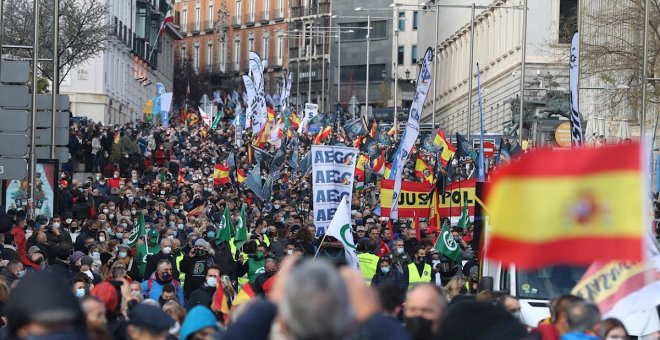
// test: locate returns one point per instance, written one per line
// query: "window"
(266, 9)
(237, 54)
(413, 54)
(416, 19)
(237, 13)
(567, 20)
(196, 57)
(402, 21)
(400, 55)
(251, 44)
(198, 13)
(209, 54)
(182, 53)
(379, 30)
(280, 49)
(280, 8)
(184, 20)
(264, 47)
(223, 56)
(210, 13)
(252, 9)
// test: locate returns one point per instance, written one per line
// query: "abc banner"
(415, 199)
(333, 168)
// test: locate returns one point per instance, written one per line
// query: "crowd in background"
(79, 274)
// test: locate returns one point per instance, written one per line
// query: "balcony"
(274, 63)
(236, 21)
(318, 9)
(209, 25)
(264, 17)
(249, 19)
(142, 49)
(194, 27)
(279, 14)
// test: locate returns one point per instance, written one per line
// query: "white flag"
(340, 228)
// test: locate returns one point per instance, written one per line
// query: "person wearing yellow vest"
(419, 271)
(368, 261)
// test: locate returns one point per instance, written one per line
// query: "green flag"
(465, 217)
(241, 230)
(446, 245)
(224, 231)
(216, 121)
(137, 232)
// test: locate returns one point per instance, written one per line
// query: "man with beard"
(424, 307)
(153, 286)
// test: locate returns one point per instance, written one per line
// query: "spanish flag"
(271, 114)
(568, 207)
(295, 120)
(420, 166)
(378, 164)
(388, 169)
(263, 135)
(241, 176)
(220, 174)
(361, 163)
(323, 134)
(220, 302)
(448, 149)
(197, 211)
(244, 295)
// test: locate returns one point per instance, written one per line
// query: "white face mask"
(167, 250)
(105, 211)
(122, 254)
(68, 221)
(28, 234)
(56, 224)
(101, 239)
(289, 251)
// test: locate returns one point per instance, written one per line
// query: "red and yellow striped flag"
(220, 302)
(568, 207)
(240, 176)
(220, 174)
(448, 149)
(244, 295)
(420, 167)
(323, 134)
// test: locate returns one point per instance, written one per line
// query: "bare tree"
(84, 31)
(612, 51)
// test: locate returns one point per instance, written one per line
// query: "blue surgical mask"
(211, 234)
(211, 281)
(80, 292)
(385, 269)
(400, 251)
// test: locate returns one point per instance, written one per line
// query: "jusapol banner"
(415, 199)
(333, 168)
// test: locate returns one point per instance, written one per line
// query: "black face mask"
(419, 328)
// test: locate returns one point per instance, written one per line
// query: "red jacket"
(21, 244)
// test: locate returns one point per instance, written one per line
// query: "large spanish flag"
(240, 175)
(220, 174)
(420, 166)
(568, 207)
(245, 294)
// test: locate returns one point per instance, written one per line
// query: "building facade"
(113, 88)
(218, 35)
(497, 49)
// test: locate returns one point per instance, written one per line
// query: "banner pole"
(319, 248)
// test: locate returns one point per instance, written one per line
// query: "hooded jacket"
(198, 318)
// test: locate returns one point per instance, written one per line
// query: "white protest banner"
(311, 111)
(333, 168)
(412, 130)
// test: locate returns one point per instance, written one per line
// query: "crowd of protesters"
(78, 274)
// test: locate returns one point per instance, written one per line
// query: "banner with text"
(333, 168)
(415, 199)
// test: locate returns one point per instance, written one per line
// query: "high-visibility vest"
(415, 279)
(182, 275)
(368, 265)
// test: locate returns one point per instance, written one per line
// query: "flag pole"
(320, 244)
(482, 204)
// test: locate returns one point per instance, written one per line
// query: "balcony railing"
(249, 18)
(264, 16)
(209, 25)
(301, 11)
(194, 27)
(279, 14)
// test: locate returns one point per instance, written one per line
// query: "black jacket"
(202, 296)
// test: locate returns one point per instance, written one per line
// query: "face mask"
(101, 239)
(28, 234)
(167, 250)
(133, 212)
(518, 315)
(176, 211)
(98, 177)
(122, 254)
(102, 182)
(68, 221)
(162, 192)
(277, 206)
(289, 251)
(211, 234)
(80, 292)
(419, 327)
(119, 235)
(105, 211)
(171, 223)
(115, 176)
(400, 251)
(211, 281)
(20, 273)
(124, 225)
(96, 254)
(259, 255)
(111, 216)
(179, 226)
(385, 269)
(56, 224)
(167, 276)
(171, 237)
(136, 293)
